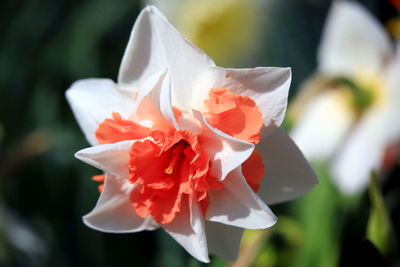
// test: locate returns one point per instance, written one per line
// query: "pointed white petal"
(154, 45)
(353, 43)
(154, 99)
(188, 230)
(94, 100)
(268, 87)
(364, 149)
(114, 213)
(288, 174)
(111, 158)
(223, 240)
(165, 103)
(323, 124)
(151, 87)
(186, 121)
(226, 152)
(237, 205)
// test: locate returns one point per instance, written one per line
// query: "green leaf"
(379, 228)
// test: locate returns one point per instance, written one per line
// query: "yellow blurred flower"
(227, 30)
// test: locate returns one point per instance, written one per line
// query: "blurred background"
(44, 191)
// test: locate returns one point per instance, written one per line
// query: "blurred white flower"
(227, 30)
(176, 137)
(349, 110)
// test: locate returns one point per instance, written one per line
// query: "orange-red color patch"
(391, 156)
(240, 117)
(177, 112)
(178, 166)
(99, 178)
(395, 3)
(234, 114)
(117, 129)
(253, 170)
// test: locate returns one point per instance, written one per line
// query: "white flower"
(158, 136)
(349, 110)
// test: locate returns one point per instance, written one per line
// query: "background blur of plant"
(44, 191)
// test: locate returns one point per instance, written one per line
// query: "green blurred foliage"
(44, 191)
(321, 217)
(379, 228)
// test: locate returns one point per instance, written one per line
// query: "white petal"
(93, 100)
(226, 152)
(268, 87)
(323, 125)
(165, 101)
(364, 149)
(151, 87)
(111, 158)
(237, 205)
(154, 98)
(223, 240)
(186, 121)
(154, 45)
(353, 43)
(288, 174)
(114, 213)
(188, 230)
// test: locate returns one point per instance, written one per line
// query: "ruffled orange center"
(240, 117)
(117, 129)
(235, 115)
(165, 168)
(168, 166)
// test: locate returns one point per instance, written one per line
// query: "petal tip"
(86, 221)
(71, 89)
(149, 8)
(77, 155)
(152, 9)
(80, 154)
(288, 72)
(274, 220)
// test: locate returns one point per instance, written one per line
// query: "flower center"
(176, 154)
(169, 166)
(364, 93)
(167, 169)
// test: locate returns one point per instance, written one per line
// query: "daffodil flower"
(185, 144)
(349, 111)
